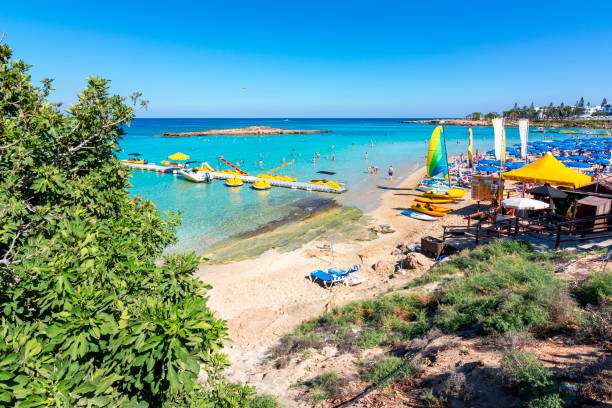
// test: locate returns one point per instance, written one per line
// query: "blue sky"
(316, 58)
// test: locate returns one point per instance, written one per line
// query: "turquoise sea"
(212, 212)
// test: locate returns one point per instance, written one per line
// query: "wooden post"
(558, 240)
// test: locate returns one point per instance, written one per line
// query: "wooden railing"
(551, 227)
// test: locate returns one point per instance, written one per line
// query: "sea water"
(212, 211)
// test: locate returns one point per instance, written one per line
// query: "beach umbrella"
(490, 162)
(548, 191)
(576, 158)
(514, 165)
(578, 164)
(599, 149)
(491, 152)
(178, 156)
(601, 161)
(488, 169)
(521, 203)
(599, 156)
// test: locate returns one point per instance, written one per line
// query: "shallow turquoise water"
(212, 211)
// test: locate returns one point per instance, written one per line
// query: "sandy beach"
(264, 298)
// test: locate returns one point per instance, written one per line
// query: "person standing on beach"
(390, 172)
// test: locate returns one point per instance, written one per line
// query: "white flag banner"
(498, 132)
(524, 133)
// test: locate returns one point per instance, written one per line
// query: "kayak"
(419, 216)
(434, 200)
(422, 209)
(451, 193)
(438, 208)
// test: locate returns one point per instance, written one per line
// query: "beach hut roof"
(549, 170)
(548, 191)
(178, 156)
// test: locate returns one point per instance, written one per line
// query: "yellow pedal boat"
(134, 161)
(262, 185)
(233, 182)
(423, 209)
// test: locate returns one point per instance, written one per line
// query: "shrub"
(597, 322)
(551, 400)
(503, 293)
(326, 386)
(379, 370)
(91, 311)
(596, 288)
(456, 386)
(265, 401)
(523, 372)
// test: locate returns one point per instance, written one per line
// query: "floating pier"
(296, 185)
(153, 167)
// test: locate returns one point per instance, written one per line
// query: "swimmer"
(365, 156)
(333, 157)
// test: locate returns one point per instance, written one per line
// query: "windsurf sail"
(498, 130)
(524, 133)
(471, 148)
(437, 164)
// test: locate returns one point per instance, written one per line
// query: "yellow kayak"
(328, 183)
(434, 200)
(451, 193)
(262, 185)
(233, 182)
(423, 209)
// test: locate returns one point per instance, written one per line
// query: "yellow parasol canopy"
(549, 170)
(178, 156)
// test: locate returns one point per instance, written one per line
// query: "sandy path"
(265, 298)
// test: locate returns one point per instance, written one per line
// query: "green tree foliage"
(491, 115)
(91, 313)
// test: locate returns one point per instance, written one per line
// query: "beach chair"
(343, 273)
(353, 279)
(327, 279)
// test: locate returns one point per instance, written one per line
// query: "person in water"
(365, 156)
(390, 172)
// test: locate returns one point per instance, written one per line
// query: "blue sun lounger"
(327, 279)
(343, 273)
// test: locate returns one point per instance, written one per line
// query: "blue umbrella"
(491, 152)
(600, 156)
(490, 162)
(598, 149)
(601, 161)
(514, 165)
(576, 158)
(581, 165)
(488, 169)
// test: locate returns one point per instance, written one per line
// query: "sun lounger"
(327, 279)
(344, 273)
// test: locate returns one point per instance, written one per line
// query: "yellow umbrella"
(178, 156)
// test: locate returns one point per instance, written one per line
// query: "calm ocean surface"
(212, 212)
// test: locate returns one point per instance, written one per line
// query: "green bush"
(379, 370)
(551, 400)
(523, 372)
(504, 289)
(325, 386)
(595, 288)
(91, 312)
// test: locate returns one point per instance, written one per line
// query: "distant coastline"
(247, 131)
(582, 124)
